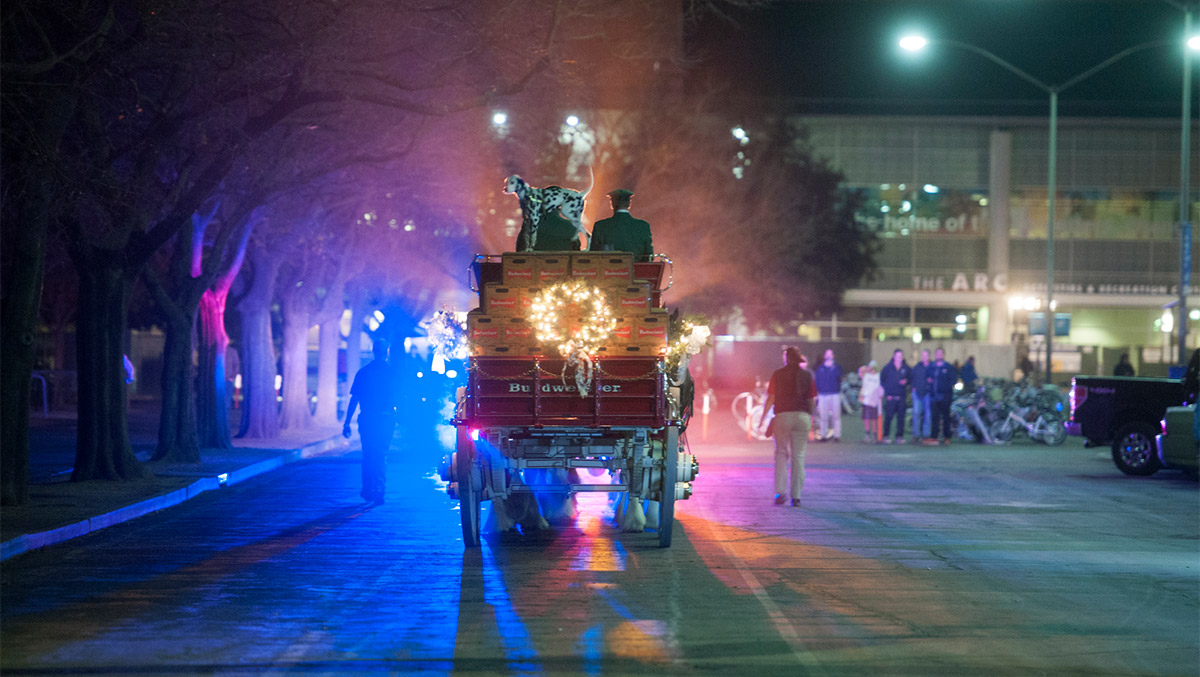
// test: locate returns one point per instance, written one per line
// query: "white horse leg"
(634, 519)
(652, 514)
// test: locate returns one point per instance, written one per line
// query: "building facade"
(960, 207)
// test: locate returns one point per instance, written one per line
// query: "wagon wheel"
(469, 487)
(666, 501)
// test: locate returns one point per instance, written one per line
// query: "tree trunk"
(177, 440)
(295, 413)
(212, 403)
(102, 450)
(18, 321)
(260, 409)
(31, 191)
(330, 334)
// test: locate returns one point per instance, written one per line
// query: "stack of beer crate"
(499, 327)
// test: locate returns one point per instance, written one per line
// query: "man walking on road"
(942, 377)
(374, 389)
(921, 399)
(791, 393)
(829, 399)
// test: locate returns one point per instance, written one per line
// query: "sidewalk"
(59, 510)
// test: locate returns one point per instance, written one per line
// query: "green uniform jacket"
(555, 234)
(622, 233)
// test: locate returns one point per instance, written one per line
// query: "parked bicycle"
(1034, 412)
(851, 385)
(748, 410)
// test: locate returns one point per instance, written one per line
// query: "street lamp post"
(915, 43)
(1185, 210)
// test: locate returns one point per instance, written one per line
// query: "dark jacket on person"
(622, 233)
(968, 375)
(894, 379)
(793, 389)
(920, 379)
(829, 379)
(1123, 369)
(554, 234)
(943, 377)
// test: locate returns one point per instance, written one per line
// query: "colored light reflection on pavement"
(904, 559)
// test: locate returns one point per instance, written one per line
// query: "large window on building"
(894, 210)
(1096, 214)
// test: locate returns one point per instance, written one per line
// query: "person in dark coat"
(375, 391)
(621, 232)
(942, 376)
(554, 234)
(968, 375)
(921, 399)
(1123, 368)
(894, 379)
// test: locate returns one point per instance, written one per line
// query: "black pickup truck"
(1126, 412)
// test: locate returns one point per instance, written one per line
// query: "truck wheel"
(1133, 449)
(469, 491)
(666, 504)
(1002, 431)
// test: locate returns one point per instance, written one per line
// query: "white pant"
(791, 438)
(829, 409)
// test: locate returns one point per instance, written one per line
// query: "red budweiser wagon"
(531, 404)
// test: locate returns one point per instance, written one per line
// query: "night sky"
(840, 56)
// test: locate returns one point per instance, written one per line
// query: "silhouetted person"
(968, 375)
(554, 234)
(621, 232)
(1123, 368)
(374, 390)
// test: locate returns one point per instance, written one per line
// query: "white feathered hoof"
(498, 520)
(524, 510)
(651, 514)
(634, 519)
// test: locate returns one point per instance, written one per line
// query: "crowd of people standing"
(796, 395)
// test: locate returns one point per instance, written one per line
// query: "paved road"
(904, 560)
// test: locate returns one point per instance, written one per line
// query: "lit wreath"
(574, 317)
(691, 337)
(448, 336)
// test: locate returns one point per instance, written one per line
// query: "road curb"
(26, 542)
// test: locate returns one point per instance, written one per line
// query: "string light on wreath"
(448, 336)
(576, 319)
(691, 340)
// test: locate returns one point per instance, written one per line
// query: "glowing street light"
(1168, 321)
(916, 43)
(572, 120)
(499, 118)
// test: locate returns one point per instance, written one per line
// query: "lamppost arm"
(1045, 87)
(997, 60)
(1110, 61)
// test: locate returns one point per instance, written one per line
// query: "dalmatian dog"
(536, 201)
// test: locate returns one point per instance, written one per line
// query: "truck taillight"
(1078, 395)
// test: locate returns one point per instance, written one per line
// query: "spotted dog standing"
(537, 201)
